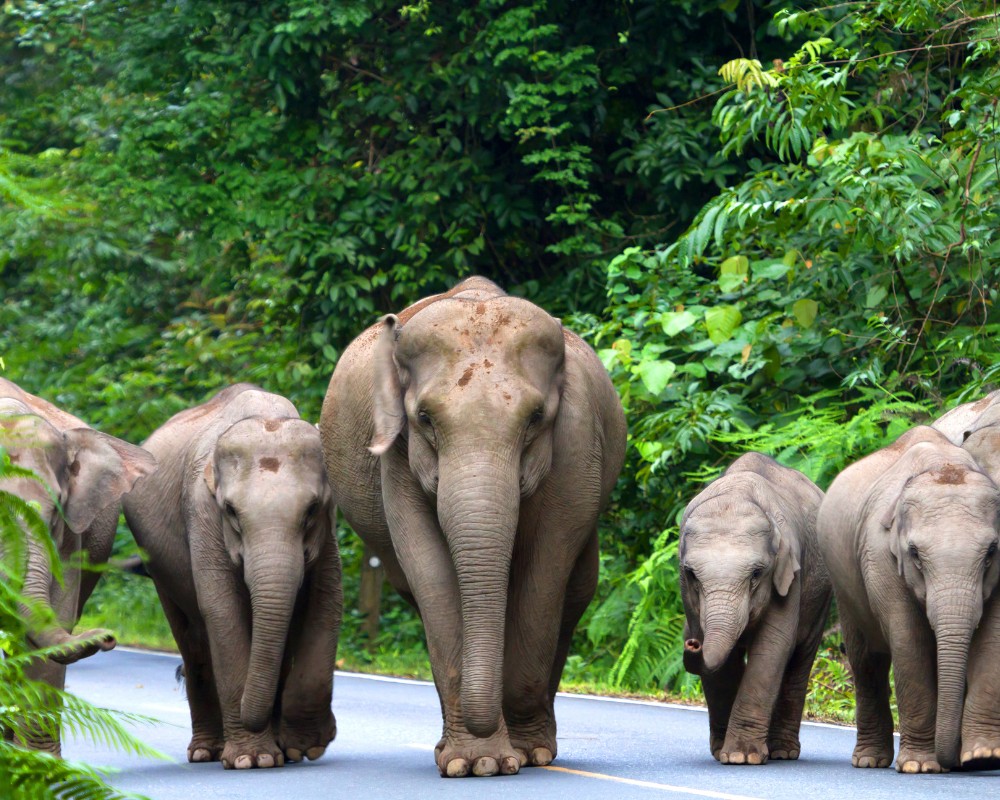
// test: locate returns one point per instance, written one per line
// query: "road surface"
(387, 729)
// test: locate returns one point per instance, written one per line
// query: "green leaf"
(805, 311)
(875, 296)
(770, 270)
(673, 322)
(721, 322)
(656, 375)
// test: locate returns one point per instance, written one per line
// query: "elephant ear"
(388, 394)
(784, 544)
(892, 522)
(101, 469)
(786, 559)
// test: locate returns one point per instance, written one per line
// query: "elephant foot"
(739, 750)
(299, 739)
(871, 756)
(912, 762)
(461, 755)
(534, 743)
(204, 748)
(783, 749)
(261, 753)
(981, 751)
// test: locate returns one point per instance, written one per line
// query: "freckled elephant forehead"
(468, 327)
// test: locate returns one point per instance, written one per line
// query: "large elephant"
(965, 420)
(237, 526)
(909, 535)
(88, 472)
(473, 442)
(756, 595)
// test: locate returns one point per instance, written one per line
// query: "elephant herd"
(472, 442)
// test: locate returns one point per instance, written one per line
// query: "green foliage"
(29, 709)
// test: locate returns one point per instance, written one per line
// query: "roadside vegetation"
(776, 224)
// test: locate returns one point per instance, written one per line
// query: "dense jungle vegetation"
(776, 222)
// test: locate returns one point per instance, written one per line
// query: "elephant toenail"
(458, 768)
(243, 762)
(510, 766)
(486, 766)
(541, 756)
(315, 752)
(265, 760)
(293, 755)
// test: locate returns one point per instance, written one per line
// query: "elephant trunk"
(273, 578)
(37, 589)
(725, 613)
(953, 631)
(478, 506)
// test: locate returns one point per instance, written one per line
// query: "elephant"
(237, 527)
(976, 427)
(473, 442)
(756, 597)
(87, 472)
(909, 535)
(964, 420)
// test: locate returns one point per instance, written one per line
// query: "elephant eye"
(991, 550)
(757, 572)
(915, 555)
(690, 574)
(234, 519)
(311, 510)
(424, 417)
(536, 416)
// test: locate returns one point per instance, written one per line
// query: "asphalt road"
(387, 729)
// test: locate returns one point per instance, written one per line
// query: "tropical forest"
(777, 223)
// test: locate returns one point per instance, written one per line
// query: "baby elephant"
(909, 535)
(976, 427)
(756, 596)
(238, 528)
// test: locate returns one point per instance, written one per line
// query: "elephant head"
(942, 531)
(81, 472)
(736, 550)
(274, 506)
(472, 390)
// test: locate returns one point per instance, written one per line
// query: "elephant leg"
(307, 721)
(767, 657)
(48, 741)
(225, 605)
(199, 684)
(430, 577)
(538, 639)
(915, 672)
(981, 717)
(874, 746)
(721, 688)
(783, 733)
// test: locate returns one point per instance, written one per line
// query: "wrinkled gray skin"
(909, 535)
(756, 596)
(88, 472)
(495, 439)
(237, 526)
(976, 426)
